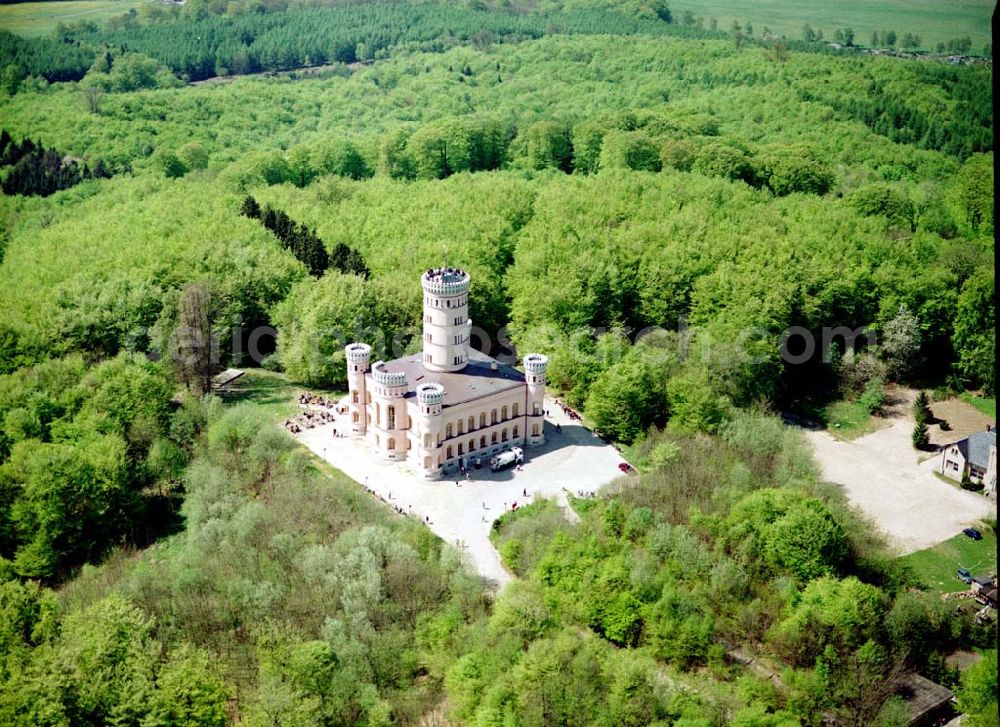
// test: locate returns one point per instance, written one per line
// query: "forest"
(649, 203)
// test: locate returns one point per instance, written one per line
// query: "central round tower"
(446, 319)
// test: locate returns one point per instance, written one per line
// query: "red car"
(626, 467)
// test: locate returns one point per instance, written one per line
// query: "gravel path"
(573, 460)
(880, 474)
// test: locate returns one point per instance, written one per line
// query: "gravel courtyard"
(573, 460)
(881, 475)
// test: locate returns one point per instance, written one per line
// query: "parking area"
(461, 513)
(881, 475)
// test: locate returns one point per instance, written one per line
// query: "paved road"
(574, 460)
(880, 474)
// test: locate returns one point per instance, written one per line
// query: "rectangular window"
(457, 360)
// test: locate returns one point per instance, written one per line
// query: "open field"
(936, 566)
(34, 19)
(934, 21)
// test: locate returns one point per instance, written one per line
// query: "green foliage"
(884, 200)
(104, 665)
(843, 614)
(974, 337)
(625, 399)
(772, 190)
(193, 155)
(693, 406)
(131, 72)
(873, 397)
(977, 695)
(629, 150)
(170, 164)
(78, 443)
(792, 532)
(788, 169)
(547, 144)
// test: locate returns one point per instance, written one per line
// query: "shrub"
(873, 397)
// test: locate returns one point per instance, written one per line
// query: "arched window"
(503, 435)
(354, 396)
(428, 441)
(461, 449)
(461, 427)
(378, 413)
(493, 439)
(447, 454)
(482, 441)
(493, 417)
(354, 417)
(472, 444)
(447, 431)
(392, 443)
(428, 463)
(503, 414)
(535, 409)
(515, 409)
(534, 430)
(482, 420)
(515, 431)
(472, 423)
(390, 412)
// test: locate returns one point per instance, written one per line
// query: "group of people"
(308, 420)
(586, 493)
(309, 399)
(318, 410)
(398, 508)
(568, 411)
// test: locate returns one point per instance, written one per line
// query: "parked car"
(626, 467)
(973, 533)
(964, 575)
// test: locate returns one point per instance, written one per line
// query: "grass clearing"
(271, 391)
(850, 420)
(934, 21)
(36, 19)
(985, 404)
(936, 567)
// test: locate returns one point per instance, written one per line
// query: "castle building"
(448, 405)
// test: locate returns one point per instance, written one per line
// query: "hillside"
(654, 206)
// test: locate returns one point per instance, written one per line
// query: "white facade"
(448, 406)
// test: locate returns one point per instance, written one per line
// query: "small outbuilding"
(927, 703)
